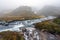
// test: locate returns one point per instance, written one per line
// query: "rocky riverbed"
(34, 34)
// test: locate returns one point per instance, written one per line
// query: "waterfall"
(30, 33)
(28, 30)
(14, 26)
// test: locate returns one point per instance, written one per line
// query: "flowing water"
(30, 33)
(28, 30)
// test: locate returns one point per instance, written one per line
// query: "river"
(28, 30)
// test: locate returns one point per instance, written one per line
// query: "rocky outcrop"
(34, 34)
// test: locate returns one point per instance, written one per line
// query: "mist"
(37, 4)
(41, 7)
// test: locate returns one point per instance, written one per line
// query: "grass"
(11, 18)
(48, 26)
(9, 35)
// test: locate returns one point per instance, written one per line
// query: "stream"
(28, 30)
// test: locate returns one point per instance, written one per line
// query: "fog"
(38, 4)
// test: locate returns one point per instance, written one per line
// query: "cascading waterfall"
(27, 28)
(31, 33)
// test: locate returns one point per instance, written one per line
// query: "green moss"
(57, 20)
(48, 26)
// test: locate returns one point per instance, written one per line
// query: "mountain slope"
(23, 11)
(50, 10)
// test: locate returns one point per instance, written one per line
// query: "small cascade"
(28, 30)
(31, 33)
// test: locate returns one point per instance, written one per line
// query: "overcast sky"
(12, 4)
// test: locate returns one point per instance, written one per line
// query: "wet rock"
(34, 34)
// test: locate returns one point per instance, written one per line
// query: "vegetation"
(11, 18)
(57, 20)
(48, 26)
(9, 35)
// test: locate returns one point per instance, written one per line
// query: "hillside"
(49, 10)
(21, 13)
